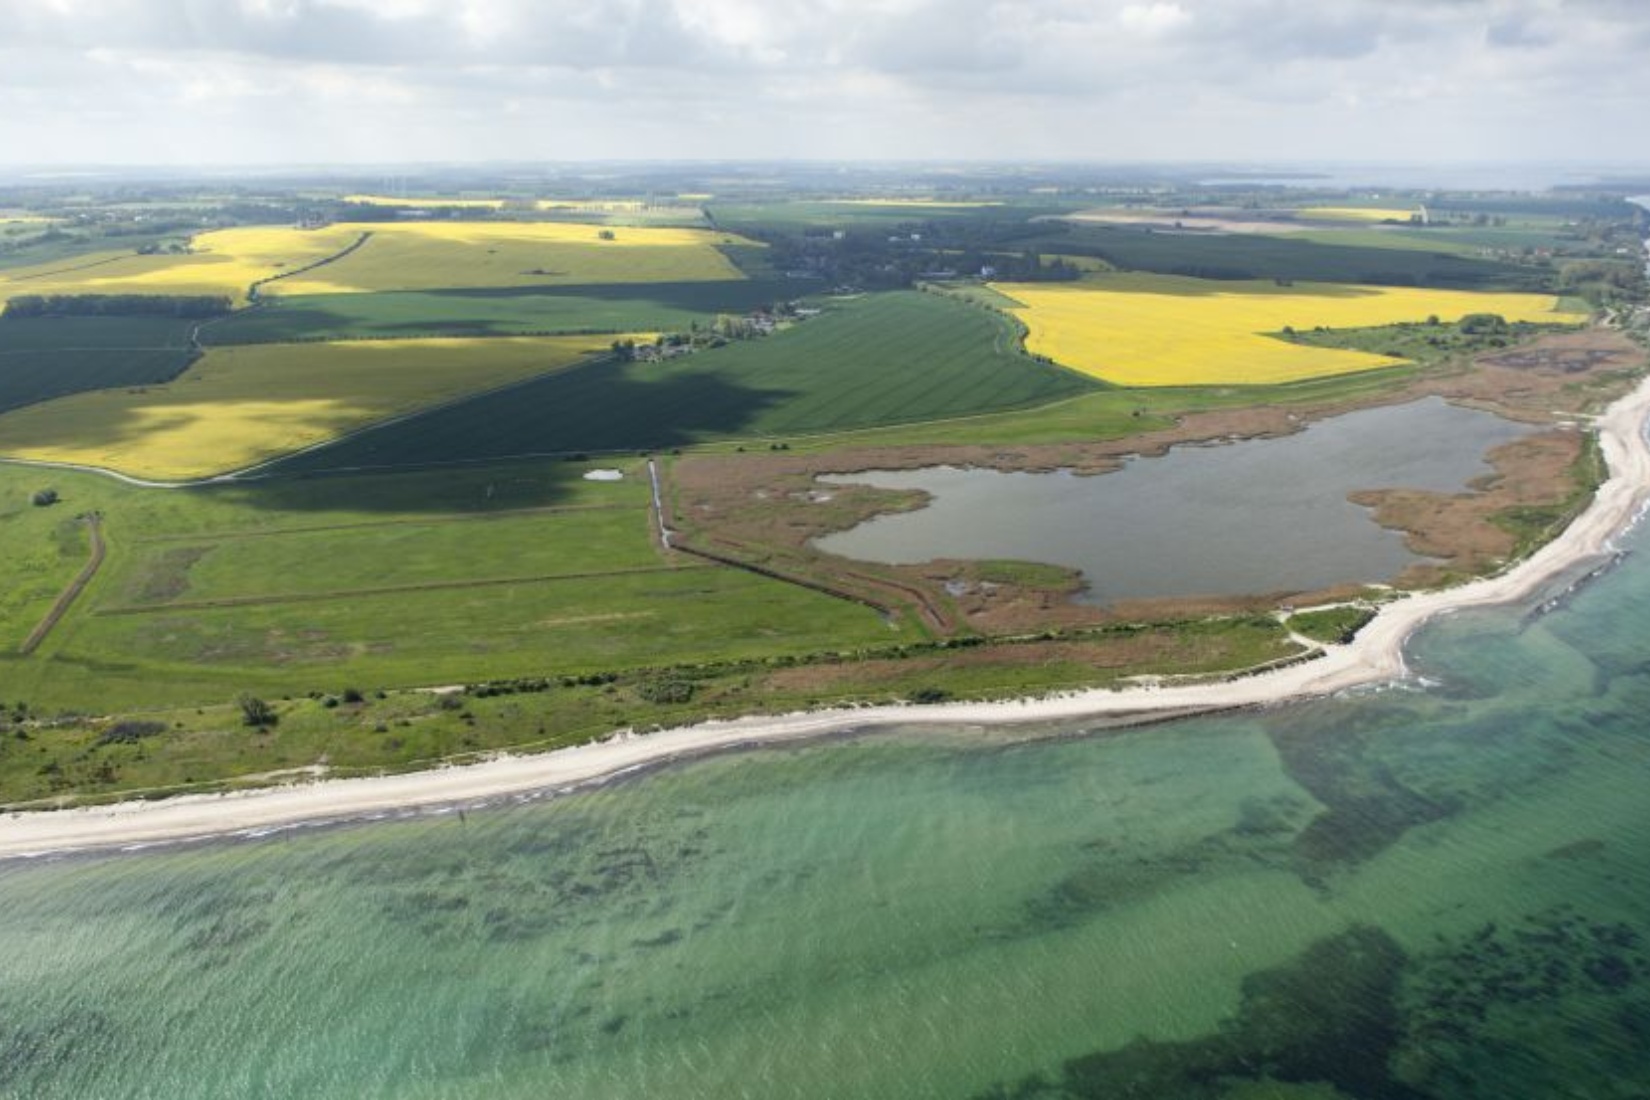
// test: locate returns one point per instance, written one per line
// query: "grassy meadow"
(384, 581)
(236, 407)
(44, 549)
(1140, 330)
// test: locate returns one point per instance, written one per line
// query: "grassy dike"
(54, 759)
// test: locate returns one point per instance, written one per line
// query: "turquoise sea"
(1438, 891)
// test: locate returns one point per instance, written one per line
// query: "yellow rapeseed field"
(1356, 213)
(225, 261)
(438, 255)
(416, 255)
(240, 406)
(1163, 330)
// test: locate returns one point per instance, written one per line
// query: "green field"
(1115, 412)
(44, 549)
(1534, 209)
(213, 570)
(105, 333)
(432, 578)
(1247, 256)
(1420, 342)
(46, 357)
(757, 216)
(1443, 242)
(504, 311)
(1453, 238)
(884, 359)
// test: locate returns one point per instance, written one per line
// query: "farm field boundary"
(418, 521)
(255, 291)
(385, 590)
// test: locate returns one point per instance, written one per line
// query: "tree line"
(118, 305)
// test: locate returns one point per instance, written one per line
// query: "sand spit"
(1375, 656)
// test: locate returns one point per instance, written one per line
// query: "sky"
(272, 82)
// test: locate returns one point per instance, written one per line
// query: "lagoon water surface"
(1398, 894)
(1257, 516)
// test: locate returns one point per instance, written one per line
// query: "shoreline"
(1374, 656)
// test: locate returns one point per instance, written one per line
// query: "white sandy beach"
(1375, 656)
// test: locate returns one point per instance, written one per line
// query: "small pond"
(1241, 518)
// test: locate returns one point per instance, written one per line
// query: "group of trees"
(1482, 324)
(1603, 282)
(884, 259)
(725, 329)
(118, 305)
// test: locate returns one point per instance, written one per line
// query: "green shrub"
(256, 712)
(665, 691)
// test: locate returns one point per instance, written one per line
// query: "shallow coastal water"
(1256, 516)
(1401, 893)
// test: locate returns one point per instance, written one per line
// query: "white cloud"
(1153, 19)
(311, 80)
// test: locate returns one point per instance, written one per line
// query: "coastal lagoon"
(1434, 890)
(1241, 518)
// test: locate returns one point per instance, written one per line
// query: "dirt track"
(64, 601)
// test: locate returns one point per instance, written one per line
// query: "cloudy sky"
(334, 81)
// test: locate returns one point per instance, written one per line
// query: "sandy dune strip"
(1375, 656)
